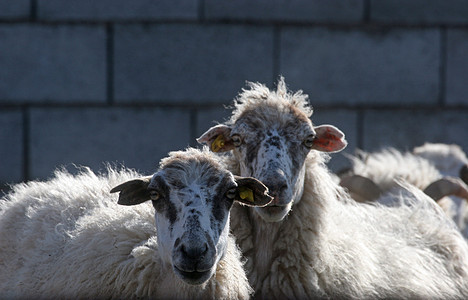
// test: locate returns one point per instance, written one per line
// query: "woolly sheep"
(313, 240)
(450, 160)
(67, 238)
(372, 174)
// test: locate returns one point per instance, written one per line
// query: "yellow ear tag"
(218, 143)
(246, 194)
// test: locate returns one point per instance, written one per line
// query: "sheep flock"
(255, 213)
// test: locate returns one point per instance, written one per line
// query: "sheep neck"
(288, 247)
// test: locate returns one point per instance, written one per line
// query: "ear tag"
(218, 143)
(246, 194)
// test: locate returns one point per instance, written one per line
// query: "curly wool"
(331, 247)
(425, 165)
(67, 238)
(447, 158)
(384, 166)
(260, 96)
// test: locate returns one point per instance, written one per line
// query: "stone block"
(136, 137)
(14, 9)
(405, 129)
(189, 64)
(46, 63)
(419, 11)
(99, 10)
(333, 11)
(457, 68)
(11, 151)
(207, 118)
(363, 67)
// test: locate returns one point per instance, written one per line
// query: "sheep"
(68, 238)
(450, 160)
(313, 240)
(372, 174)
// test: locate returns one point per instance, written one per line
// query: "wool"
(425, 165)
(327, 245)
(330, 246)
(447, 158)
(67, 238)
(384, 166)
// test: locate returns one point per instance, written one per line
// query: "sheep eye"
(309, 141)
(231, 194)
(154, 195)
(236, 140)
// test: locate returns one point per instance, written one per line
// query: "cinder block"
(346, 121)
(136, 137)
(41, 63)
(406, 129)
(457, 67)
(357, 67)
(14, 9)
(11, 149)
(117, 10)
(419, 11)
(335, 11)
(187, 63)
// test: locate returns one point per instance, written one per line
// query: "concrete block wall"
(91, 81)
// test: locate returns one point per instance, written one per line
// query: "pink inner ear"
(329, 139)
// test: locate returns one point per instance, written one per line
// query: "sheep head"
(270, 134)
(192, 194)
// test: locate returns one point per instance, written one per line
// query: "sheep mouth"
(273, 213)
(193, 278)
(274, 209)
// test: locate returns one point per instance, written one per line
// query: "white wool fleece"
(68, 238)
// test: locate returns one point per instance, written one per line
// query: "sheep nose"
(276, 189)
(194, 252)
(276, 183)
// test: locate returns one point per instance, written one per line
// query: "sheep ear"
(251, 192)
(447, 186)
(133, 192)
(217, 138)
(329, 139)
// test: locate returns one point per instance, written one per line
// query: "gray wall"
(127, 81)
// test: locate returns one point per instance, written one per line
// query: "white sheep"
(374, 173)
(450, 160)
(313, 240)
(68, 238)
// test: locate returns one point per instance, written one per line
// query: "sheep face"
(271, 135)
(271, 143)
(192, 195)
(274, 152)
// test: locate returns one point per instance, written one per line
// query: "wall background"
(87, 81)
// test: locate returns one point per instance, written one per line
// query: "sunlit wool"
(68, 238)
(328, 245)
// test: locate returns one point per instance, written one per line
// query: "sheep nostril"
(282, 188)
(277, 190)
(194, 252)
